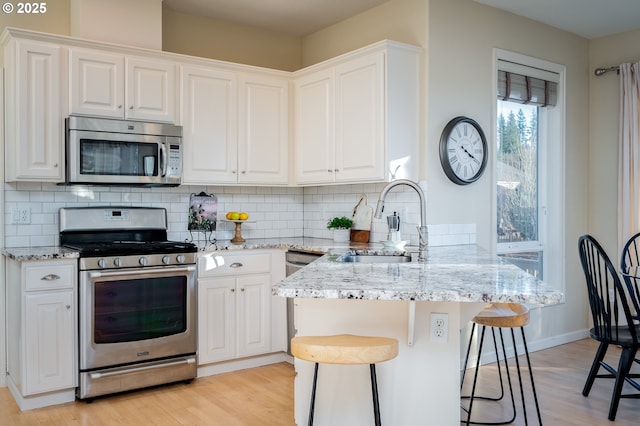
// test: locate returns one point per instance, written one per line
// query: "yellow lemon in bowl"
(244, 216)
(229, 215)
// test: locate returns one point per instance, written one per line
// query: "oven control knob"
(143, 261)
(118, 262)
(180, 258)
(102, 263)
(166, 260)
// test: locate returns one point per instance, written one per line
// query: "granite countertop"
(316, 245)
(39, 253)
(464, 273)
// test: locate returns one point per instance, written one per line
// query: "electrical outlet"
(439, 327)
(22, 215)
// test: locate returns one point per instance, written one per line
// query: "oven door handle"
(129, 272)
(95, 376)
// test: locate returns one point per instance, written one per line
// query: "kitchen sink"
(373, 258)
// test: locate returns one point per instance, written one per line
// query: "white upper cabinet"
(356, 117)
(111, 85)
(209, 125)
(263, 137)
(34, 129)
(234, 127)
(359, 119)
(315, 150)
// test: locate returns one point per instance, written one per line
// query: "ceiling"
(586, 18)
(596, 18)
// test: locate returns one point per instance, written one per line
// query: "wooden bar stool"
(345, 349)
(499, 316)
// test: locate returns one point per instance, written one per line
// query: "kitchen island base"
(420, 386)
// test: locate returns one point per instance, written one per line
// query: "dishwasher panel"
(295, 260)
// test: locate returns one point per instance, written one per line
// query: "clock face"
(463, 150)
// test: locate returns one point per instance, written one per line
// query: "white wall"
(137, 23)
(460, 82)
(604, 105)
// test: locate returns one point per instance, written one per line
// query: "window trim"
(552, 196)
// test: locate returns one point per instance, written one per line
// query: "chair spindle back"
(606, 293)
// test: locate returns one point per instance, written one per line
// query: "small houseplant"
(340, 226)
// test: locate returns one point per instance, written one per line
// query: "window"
(529, 157)
(518, 203)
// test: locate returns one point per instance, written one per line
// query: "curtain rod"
(601, 71)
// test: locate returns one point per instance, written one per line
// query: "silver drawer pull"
(236, 265)
(50, 277)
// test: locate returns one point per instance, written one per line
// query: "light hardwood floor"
(264, 396)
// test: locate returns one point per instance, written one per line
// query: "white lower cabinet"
(42, 332)
(237, 315)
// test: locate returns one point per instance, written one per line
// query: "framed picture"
(203, 212)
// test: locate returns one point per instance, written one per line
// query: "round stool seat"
(503, 315)
(344, 349)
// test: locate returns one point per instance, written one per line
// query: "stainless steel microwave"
(102, 151)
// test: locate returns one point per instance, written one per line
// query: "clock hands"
(469, 154)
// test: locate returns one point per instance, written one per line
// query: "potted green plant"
(340, 226)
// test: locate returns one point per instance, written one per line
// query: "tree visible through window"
(517, 185)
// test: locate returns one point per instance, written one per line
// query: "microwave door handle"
(163, 163)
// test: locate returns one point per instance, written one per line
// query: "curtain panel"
(629, 153)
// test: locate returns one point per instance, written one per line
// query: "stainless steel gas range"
(136, 299)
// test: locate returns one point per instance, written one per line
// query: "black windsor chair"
(630, 259)
(610, 326)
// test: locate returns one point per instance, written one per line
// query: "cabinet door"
(216, 319)
(96, 83)
(254, 314)
(209, 120)
(34, 119)
(359, 127)
(49, 342)
(263, 133)
(314, 128)
(151, 90)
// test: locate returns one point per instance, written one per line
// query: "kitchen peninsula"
(420, 386)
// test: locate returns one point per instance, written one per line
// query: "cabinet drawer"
(49, 275)
(217, 264)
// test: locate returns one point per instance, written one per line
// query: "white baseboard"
(40, 400)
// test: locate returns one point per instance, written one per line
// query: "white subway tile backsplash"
(275, 212)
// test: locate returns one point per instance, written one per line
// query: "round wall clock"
(463, 150)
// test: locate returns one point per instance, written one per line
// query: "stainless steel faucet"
(422, 228)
